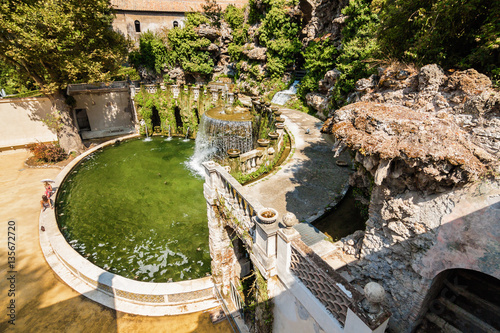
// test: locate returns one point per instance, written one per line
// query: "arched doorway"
(155, 120)
(462, 300)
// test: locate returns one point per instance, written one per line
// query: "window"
(176, 24)
(137, 26)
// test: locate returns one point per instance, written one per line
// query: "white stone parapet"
(112, 290)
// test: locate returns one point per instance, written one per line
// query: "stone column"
(376, 321)
(215, 94)
(196, 92)
(284, 244)
(264, 247)
(175, 90)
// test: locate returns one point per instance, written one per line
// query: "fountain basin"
(122, 209)
(279, 125)
(267, 215)
(111, 290)
(263, 142)
(273, 135)
(280, 119)
(233, 153)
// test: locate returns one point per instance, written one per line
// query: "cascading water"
(221, 129)
(169, 138)
(281, 97)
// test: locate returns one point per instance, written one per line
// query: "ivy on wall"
(167, 106)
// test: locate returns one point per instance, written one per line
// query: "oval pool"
(136, 210)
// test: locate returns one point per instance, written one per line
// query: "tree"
(455, 34)
(56, 43)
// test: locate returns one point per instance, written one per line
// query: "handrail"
(226, 310)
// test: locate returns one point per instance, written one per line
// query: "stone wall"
(21, 121)
(426, 144)
(109, 113)
(124, 22)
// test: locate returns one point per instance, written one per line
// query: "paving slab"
(310, 181)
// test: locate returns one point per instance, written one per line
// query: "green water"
(136, 210)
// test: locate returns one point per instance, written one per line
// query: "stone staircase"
(467, 302)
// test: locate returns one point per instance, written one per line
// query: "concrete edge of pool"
(111, 290)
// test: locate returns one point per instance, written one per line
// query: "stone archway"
(462, 300)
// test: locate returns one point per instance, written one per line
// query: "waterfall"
(281, 97)
(216, 136)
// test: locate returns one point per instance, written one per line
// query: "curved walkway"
(43, 303)
(310, 181)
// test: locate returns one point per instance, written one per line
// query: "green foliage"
(279, 32)
(359, 46)
(187, 49)
(196, 19)
(176, 47)
(234, 16)
(319, 57)
(125, 73)
(60, 42)
(454, 34)
(299, 104)
(14, 81)
(277, 84)
(152, 52)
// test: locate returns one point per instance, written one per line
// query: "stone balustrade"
(240, 207)
(278, 251)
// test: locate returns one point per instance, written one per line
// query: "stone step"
(480, 307)
(441, 323)
(463, 319)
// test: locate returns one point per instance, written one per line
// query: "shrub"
(47, 152)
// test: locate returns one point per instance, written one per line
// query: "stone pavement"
(309, 182)
(43, 303)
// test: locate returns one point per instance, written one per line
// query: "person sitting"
(48, 189)
(45, 203)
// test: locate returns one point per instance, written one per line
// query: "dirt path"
(43, 303)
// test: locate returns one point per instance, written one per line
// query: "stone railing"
(239, 206)
(302, 269)
(86, 87)
(252, 160)
(328, 287)
(278, 250)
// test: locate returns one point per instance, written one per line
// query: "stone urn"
(273, 135)
(263, 142)
(267, 215)
(233, 153)
(341, 163)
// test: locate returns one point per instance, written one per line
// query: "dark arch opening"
(176, 24)
(196, 113)
(178, 119)
(155, 119)
(137, 26)
(465, 299)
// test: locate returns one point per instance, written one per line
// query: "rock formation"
(427, 147)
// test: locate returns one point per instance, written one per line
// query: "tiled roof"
(169, 5)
